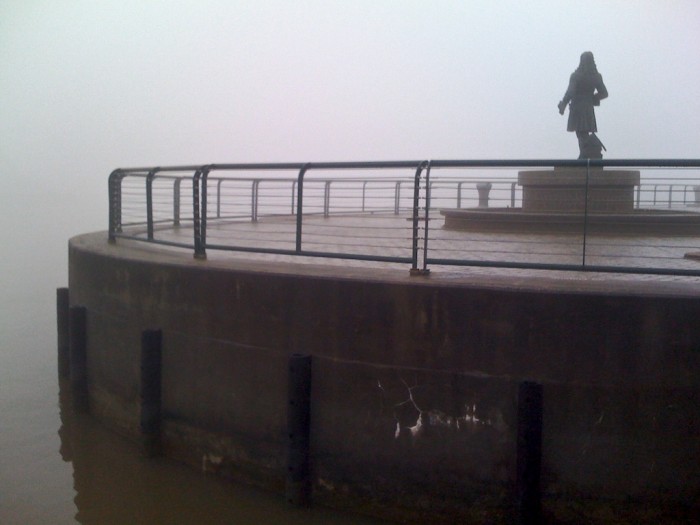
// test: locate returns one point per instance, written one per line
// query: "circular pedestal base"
(515, 220)
(565, 190)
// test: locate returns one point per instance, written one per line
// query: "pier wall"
(414, 378)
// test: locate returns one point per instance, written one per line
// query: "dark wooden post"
(298, 487)
(529, 455)
(77, 328)
(62, 309)
(151, 357)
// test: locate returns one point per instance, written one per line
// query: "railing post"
(298, 485)
(585, 213)
(114, 186)
(397, 197)
(300, 204)
(294, 191)
(218, 198)
(205, 198)
(670, 196)
(254, 200)
(414, 236)
(199, 251)
(326, 198)
(364, 190)
(512, 194)
(529, 453)
(459, 194)
(149, 202)
(639, 195)
(176, 202)
(428, 195)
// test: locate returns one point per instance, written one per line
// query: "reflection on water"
(115, 484)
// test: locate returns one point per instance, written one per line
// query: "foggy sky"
(88, 86)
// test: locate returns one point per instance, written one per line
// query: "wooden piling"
(529, 453)
(151, 361)
(62, 315)
(298, 486)
(77, 330)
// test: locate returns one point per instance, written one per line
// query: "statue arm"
(601, 91)
(567, 96)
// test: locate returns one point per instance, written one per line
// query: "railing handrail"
(464, 163)
(306, 173)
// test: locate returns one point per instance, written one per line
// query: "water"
(56, 467)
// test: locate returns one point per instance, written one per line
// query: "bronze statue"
(586, 90)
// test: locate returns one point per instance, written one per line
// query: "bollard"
(298, 486)
(529, 453)
(77, 325)
(151, 357)
(62, 309)
(483, 188)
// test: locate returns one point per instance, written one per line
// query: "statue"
(586, 90)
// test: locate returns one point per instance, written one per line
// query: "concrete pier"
(414, 399)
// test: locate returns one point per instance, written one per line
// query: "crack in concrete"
(436, 418)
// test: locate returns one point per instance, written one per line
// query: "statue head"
(587, 63)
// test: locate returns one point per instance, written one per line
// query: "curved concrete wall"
(414, 378)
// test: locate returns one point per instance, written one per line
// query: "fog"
(89, 86)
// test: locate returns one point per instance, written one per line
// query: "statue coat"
(584, 92)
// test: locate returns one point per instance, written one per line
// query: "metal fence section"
(392, 212)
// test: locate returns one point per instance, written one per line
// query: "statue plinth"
(564, 190)
(554, 201)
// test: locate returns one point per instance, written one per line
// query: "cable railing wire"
(372, 214)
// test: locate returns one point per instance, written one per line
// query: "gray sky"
(87, 86)
(90, 85)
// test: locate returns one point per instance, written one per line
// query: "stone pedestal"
(554, 201)
(484, 188)
(564, 190)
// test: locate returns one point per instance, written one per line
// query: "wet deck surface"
(390, 235)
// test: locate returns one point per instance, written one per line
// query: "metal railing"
(382, 211)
